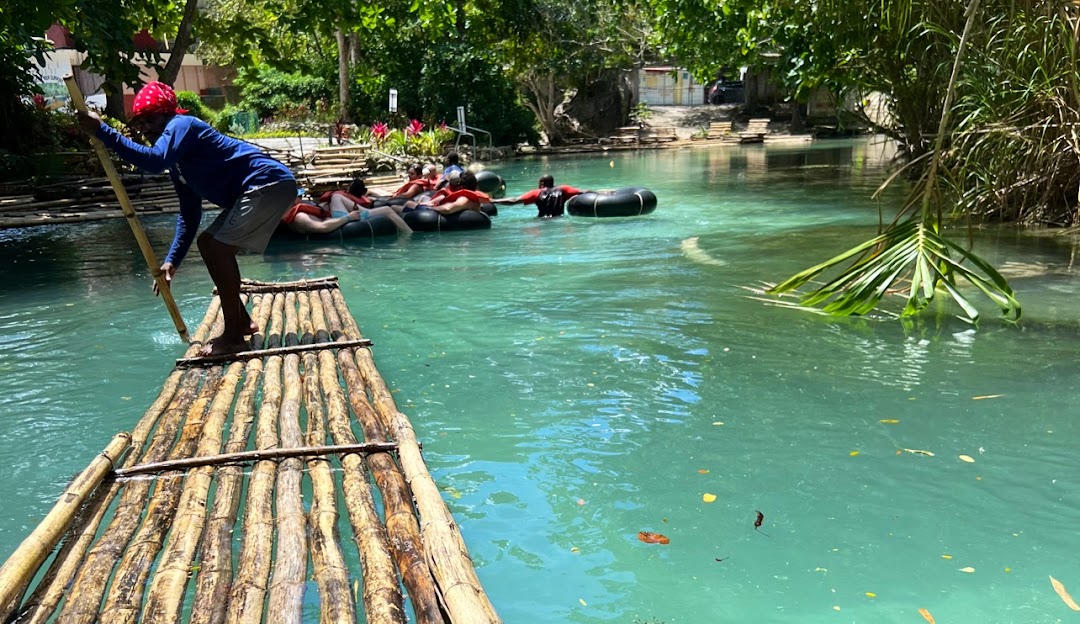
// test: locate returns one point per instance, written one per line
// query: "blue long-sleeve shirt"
(203, 164)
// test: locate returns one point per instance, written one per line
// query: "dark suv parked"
(726, 92)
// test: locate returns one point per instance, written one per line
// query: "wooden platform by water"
(246, 461)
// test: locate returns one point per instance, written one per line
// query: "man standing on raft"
(550, 200)
(253, 189)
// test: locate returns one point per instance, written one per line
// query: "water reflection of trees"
(94, 254)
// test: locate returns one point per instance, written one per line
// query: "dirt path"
(687, 120)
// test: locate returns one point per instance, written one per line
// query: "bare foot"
(223, 346)
(252, 328)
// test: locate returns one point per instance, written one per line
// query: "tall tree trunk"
(798, 122)
(459, 19)
(545, 98)
(180, 44)
(114, 99)
(354, 49)
(343, 75)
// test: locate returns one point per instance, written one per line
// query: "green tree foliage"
(267, 91)
(22, 27)
(566, 44)
(193, 104)
(434, 79)
(911, 51)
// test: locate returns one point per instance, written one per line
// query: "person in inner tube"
(453, 199)
(453, 164)
(333, 211)
(453, 184)
(414, 185)
(550, 200)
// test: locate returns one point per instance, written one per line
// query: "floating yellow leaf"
(926, 616)
(890, 421)
(573, 549)
(582, 601)
(969, 570)
(967, 458)
(917, 452)
(1007, 570)
(836, 607)
(1060, 589)
(987, 396)
(703, 471)
(718, 423)
(871, 595)
(708, 498)
(946, 556)
(853, 453)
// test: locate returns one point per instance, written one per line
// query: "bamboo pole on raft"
(213, 582)
(402, 526)
(382, 591)
(123, 602)
(290, 561)
(328, 560)
(23, 564)
(165, 596)
(248, 592)
(133, 220)
(40, 606)
(92, 578)
(446, 552)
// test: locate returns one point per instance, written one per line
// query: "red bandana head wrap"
(155, 97)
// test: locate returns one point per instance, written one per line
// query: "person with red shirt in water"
(465, 198)
(550, 200)
(253, 190)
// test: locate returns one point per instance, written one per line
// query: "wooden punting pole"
(133, 220)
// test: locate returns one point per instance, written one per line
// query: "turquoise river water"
(575, 382)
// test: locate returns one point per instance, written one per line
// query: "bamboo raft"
(146, 532)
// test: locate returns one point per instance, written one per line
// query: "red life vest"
(475, 196)
(306, 208)
(423, 183)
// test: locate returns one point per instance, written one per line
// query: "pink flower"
(380, 130)
(443, 126)
(414, 127)
(39, 101)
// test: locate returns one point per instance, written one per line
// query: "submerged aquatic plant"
(912, 248)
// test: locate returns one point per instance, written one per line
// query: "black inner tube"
(630, 201)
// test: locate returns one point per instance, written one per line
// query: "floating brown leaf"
(1060, 589)
(652, 538)
(926, 616)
